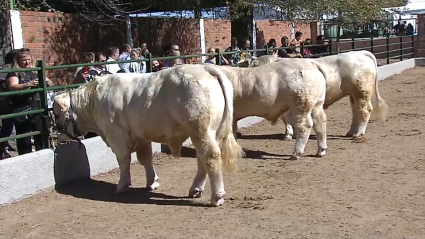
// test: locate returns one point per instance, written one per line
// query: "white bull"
(129, 111)
(270, 90)
(354, 74)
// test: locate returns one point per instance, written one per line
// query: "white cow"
(129, 111)
(270, 90)
(354, 74)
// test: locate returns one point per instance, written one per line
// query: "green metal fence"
(384, 48)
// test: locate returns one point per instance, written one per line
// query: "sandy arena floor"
(359, 190)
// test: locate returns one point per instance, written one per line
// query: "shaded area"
(105, 192)
(253, 154)
(5, 35)
(71, 163)
(281, 137)
(74, 35)
(159, 32)
(62, 39)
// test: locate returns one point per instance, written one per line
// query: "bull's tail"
(231, 151)
(380, 109)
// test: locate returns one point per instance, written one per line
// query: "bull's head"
(65, 118)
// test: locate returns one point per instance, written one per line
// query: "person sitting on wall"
(321, 47)
(271, 45)
(286, 52)
(212, 59)
(86, 74)
(26, 102)
(307, 47)
(125, 56)
(235, 57)
(88, 58)
(156, 65)
(296, 42)
(173, 51)
(137, 67)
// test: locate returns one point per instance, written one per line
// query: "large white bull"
(352, 74)
(270, 90)
(129, 111)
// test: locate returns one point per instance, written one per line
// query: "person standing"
(26, 102)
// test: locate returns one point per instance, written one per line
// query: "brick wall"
(62, 38)
(157, 32)
(277, 29)
(217, 33)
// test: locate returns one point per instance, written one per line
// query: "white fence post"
(254, 37)
(15, 22)
(202, 34)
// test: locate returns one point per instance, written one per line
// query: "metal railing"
(404, 45)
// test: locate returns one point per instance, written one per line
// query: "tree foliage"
(344, 10)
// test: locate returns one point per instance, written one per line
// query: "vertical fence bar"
(43, 100)
(267, 49)
(149, 63)
(330, 47)
(302, 49)
(401, 48)
(388, 49)
(218, 57)
(371, 44)
(413, 46)
(353, 44)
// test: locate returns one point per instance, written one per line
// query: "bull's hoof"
(359, 139)
(122, 189)
(195, 193)
(321, 153)
(295, 157)
(153, 186)
(217, 203)
(287, 137)
(349, 134)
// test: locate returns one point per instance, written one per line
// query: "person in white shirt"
(137, 67)
(114, 53)
(125, 56)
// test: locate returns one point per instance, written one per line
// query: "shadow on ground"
(104, 191)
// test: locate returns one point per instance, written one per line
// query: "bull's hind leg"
(209, 155)
(144, 156)
(302, 124)
(361, 108)
(198, 184)
(319, 126)
(287, 120)
(124, 183)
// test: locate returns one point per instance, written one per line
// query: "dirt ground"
(374, 189)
